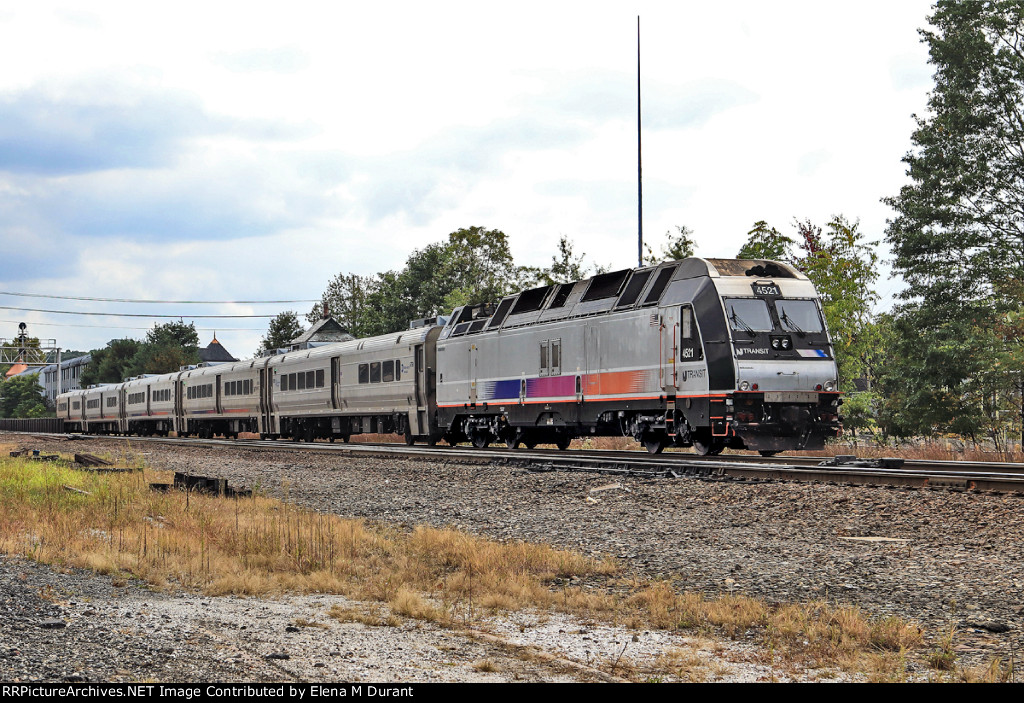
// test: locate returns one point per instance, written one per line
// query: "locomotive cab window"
(556, 357)
(798, 315)
(748, 315)
(543, 358)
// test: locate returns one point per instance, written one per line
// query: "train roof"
(613, 291)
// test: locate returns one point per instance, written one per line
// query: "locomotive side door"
(471, 375)
(668, 330)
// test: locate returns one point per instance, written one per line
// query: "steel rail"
(975, 476)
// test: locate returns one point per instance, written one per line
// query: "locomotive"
(703, 353)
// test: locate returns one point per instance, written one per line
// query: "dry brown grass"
(259, 545)
(486, 666)
(933, 450)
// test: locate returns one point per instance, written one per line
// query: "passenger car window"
(388, 371)
(374, 372)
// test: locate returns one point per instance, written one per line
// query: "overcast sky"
(238, 151)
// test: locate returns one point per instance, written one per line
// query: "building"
(327, 330)
(215, 353)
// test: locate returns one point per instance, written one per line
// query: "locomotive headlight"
(830, 386)
(786, 343)
(776, 343)
(744, 385)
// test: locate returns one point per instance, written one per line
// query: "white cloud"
(248, 150)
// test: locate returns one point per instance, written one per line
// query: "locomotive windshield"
(748, 315)
(799, 315)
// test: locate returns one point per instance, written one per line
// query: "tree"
(843, 268)
(21, 396)
(110, 364)
(764, 242)
(345, 300)
(282, 330)
(565, 267)
(175, 334)
(474, 265)
(677, 246)
(958, 233)
(167, 348)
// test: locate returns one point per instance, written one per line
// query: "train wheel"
(331, 439)
(563, 443)
(513, 442)
(654, 445)
(345, 439)
(409, 439)
(702, 448)
(309, 434)
(481, 440)
(531, 444)
(768, 452)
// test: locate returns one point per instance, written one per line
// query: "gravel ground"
(946, 559)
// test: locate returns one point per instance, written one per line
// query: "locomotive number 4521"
(766, 289)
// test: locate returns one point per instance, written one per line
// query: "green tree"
(174, 334)
(345, 299)
(110, 364)
(844, 268)
(565, 267)
(677, 246)
(765, 242)
(167, 348)
(474, 265)
(958, 234)
(282, 330)
(21, 396)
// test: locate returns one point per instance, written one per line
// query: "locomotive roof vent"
(766, 270)
(606, 285)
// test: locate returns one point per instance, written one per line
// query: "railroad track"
(951, 475)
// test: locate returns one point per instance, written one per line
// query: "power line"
(127, 314)
(116, 327)
(174, 302)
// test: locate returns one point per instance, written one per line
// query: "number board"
(766, 289)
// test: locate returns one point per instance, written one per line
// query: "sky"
(234, 151)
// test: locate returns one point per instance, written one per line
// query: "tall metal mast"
(639, 169)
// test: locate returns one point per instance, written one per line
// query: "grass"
(113, 524)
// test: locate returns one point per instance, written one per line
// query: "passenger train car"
(708, 353)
